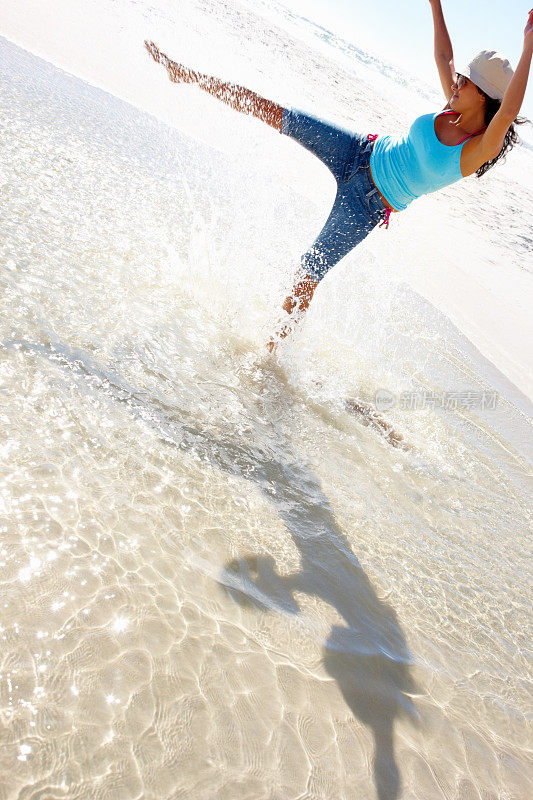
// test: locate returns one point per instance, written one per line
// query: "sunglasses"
(460, 80)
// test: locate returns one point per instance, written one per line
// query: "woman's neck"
(469, 121)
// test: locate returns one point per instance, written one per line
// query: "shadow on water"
(367, 656)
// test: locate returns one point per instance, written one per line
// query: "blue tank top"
(416, 164)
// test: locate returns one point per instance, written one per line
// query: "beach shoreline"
(106, 51)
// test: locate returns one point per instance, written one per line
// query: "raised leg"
(336, 147)
(237, 97)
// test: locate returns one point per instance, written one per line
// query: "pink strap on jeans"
(388, 211)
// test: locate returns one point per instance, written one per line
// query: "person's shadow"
(367, 656)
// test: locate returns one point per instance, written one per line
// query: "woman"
(378, 176)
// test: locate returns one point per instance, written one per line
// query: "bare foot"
(177, 73)
(153, 49)
(369, 416)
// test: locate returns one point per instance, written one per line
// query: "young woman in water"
(378, 175)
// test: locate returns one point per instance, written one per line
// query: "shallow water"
(216, 582)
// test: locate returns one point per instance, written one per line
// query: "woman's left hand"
(528, 30)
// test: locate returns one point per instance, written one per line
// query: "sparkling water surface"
(215, 581)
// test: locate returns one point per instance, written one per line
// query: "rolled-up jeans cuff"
(286, 121)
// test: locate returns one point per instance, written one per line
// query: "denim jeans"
(358, 208)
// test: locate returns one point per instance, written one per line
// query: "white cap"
(491, 72)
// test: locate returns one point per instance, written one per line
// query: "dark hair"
(492, 106)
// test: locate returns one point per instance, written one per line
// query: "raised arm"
(443, 49)
(514, 94)
(493, 139)
(238, 97)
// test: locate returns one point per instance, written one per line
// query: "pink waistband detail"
(388, 212)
